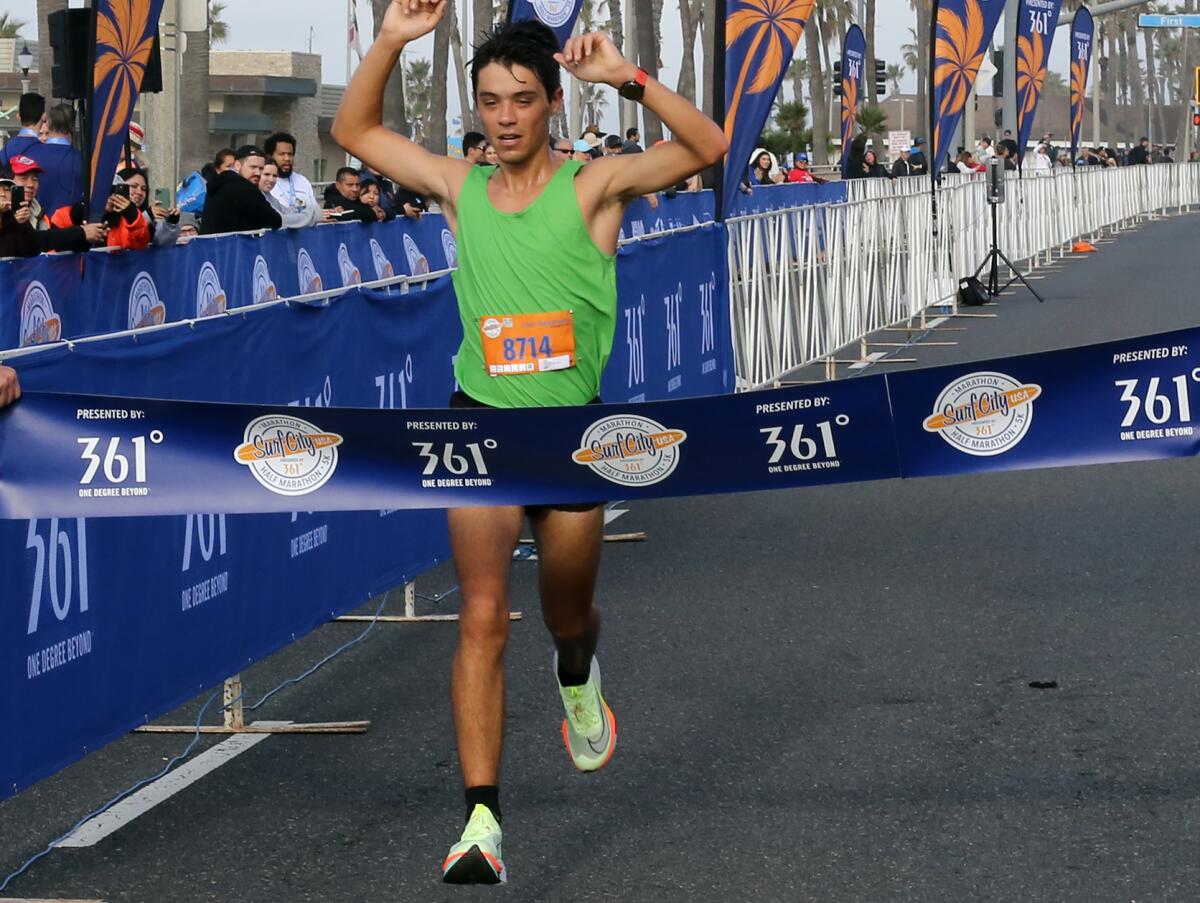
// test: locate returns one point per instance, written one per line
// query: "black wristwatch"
(635, 90)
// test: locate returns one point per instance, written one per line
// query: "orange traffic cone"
(1083, 247)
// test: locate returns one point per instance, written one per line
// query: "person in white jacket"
(293, 193)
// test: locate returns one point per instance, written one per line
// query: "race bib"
(528, 343)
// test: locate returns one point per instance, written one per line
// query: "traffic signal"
(837, 78)
(998, 78)
(880, 78)
(1196, 119)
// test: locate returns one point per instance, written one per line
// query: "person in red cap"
(79, 237)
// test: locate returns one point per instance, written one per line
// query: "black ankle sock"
(486, 795)
(567, 679)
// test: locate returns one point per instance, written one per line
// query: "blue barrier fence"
(74, 295)
(106, 622)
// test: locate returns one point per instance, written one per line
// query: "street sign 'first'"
(1146, 21)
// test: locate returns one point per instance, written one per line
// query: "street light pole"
(25, 62)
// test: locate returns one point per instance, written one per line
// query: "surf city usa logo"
(287, 455)
(630, 451)
(145, 306)
(984, 414)
(39, 323)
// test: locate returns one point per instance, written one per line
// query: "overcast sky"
(291, 24)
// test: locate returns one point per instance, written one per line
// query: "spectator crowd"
(42, 193)
(258, 188)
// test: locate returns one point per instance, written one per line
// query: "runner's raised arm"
(697, 142)
(359, 127)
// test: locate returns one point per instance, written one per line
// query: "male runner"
(537, 241)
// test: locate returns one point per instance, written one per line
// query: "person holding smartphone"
(18, 237)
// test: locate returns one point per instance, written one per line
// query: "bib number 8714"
(523, 347)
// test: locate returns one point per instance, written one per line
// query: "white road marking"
(95, 830)
(871, 358)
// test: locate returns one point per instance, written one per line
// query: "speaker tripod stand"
(992, 261)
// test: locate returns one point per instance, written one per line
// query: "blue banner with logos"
(760, 39)
(560, 15)
(1037, 23)
(1083, 32)
(69, 296)
(87, 456)
(854, 51)
(160, 607)
(962, 34)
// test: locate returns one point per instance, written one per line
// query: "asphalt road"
(823, 695)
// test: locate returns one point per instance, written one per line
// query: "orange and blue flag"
(1083, 31)
(962, 32)
(560, 15)
(1036, 24)
(760, 39)
(125, 32)
(854, 52)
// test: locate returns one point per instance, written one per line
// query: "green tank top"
(539, 260)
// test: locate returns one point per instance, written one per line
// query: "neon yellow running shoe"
(589, 731)
(475, 859)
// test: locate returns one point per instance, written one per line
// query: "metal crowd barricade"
(807, 281)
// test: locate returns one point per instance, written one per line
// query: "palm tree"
(872, 121)
(595, 102)
(895, 72)
(10, 27)
(218, 30)
(394, 113)
(868, 28)
(466, 103)
(1054, 84)
(816, 91)
(435, 138)
(689, 20)
(647, 55)
(418, 88)
(193, 138)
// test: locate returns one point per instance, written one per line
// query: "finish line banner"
(86, 456)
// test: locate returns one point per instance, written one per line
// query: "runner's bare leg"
(482, 541)
(569, 544)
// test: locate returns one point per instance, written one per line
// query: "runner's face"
(516, 112)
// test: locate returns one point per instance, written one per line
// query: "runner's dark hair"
(528, 43)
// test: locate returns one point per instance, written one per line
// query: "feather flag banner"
(1036, 25)
(760, 39)
(560, 15)
(125, 32)
(962, 33)
(1083, 31)
(854, 52)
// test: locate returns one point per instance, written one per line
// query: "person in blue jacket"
(61, 162)
(31, 110)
